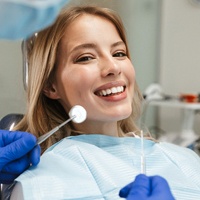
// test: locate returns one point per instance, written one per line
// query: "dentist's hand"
(17, 153)
(147, 188)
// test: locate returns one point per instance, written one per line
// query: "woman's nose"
(110, 67)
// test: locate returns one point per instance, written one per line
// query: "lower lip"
(117, 97)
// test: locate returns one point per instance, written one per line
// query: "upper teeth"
(112, 90)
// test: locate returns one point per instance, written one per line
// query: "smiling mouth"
(110, 91)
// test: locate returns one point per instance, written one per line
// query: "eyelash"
(84, 59)
(88, 58)
(120, 54)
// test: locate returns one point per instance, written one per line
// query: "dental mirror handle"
(48, 134)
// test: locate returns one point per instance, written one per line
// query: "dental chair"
(10, 120)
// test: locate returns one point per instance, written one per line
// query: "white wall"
(12, 98)
(180, 56)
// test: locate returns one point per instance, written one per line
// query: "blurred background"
(164, 39)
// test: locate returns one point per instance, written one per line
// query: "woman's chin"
(117, 116)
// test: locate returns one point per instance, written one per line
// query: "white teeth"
(108, 91)
(104, 92)
(112, 90)
(120, 88)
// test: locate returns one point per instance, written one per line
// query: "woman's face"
(94, 71)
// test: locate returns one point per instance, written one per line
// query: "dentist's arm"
(17, 153)
(19, 19)
(147, 188)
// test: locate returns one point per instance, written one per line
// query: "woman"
(83, 59)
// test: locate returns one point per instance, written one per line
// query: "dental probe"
(143, 164)
(77, 114)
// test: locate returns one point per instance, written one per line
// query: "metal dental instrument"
(77, 114)
(143, 164)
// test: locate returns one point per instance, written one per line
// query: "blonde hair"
(43, 114)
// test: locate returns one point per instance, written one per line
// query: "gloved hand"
(147, 188)
(17, 152)
(19, 19)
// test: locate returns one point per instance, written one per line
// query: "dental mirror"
(77, 114)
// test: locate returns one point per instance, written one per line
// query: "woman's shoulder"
(176, 147)
(179, 153)
(69, 144)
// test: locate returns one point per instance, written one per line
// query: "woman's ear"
(51, 92)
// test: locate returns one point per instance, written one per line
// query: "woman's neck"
(108, 128)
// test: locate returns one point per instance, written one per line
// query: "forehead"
(88, 26)
(90, 19)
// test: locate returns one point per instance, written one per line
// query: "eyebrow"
(118, 44)
(84, 46)
(94, 46)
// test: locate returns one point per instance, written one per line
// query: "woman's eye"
(84, 59)
(119, 54)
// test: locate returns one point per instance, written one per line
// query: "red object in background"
(189, 98)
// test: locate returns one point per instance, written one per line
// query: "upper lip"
(110, 85)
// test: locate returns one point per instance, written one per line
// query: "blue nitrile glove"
(17, 153)
(147, 188)
(19, 19)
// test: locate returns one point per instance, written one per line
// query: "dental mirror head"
(78, 113)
